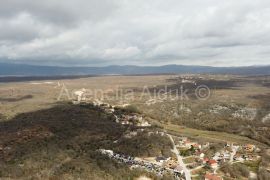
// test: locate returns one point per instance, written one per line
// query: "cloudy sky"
(135, 32)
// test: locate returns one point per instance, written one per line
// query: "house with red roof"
(213, 163)
(205, 160)
(212, 177)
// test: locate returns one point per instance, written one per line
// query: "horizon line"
(88, 66)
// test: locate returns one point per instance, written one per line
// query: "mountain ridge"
(8, 69)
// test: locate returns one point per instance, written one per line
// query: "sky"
(135, 32)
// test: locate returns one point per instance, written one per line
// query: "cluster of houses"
(125, 119)
(131, 119)
(187, 143)
(229, 153)
(161, 133)
(190, 79)
(237, 153)
(160, 167)
(245, 113)
(235, 111)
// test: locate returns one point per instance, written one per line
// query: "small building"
(226, 155)
(125, 122)
(238, 157)
(212, 177)
(189, 144)
(197, 146)
(205, 160)
(162, 133)
(201, 155)
(204, 146)
(170, 164)
(213, 163)
(144, 124)
(161, 159)
(109, 110)
(107, 152)
(179, 169)
(117, 119)
(80, 94)
(249, 147)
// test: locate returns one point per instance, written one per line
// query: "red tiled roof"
(212, 161)
(212, 177)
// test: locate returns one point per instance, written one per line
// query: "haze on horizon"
(125, 32)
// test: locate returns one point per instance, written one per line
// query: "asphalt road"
(180, 159)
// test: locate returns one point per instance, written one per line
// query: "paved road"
(180, 159)
(234, 150)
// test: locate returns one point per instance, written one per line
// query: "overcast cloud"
(135, 32)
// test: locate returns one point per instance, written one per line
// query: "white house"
(202, 155)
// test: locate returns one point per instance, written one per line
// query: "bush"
(235, 171)
(132, 109)
(144, 145)
(242, 169)
(263, 174)
(2, 117)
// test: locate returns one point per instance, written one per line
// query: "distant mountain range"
(33, 70)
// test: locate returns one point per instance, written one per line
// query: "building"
(162, 159)
(144, 124)
(213, 163)
(202, 155)
(170, 164)
(205, 160)
(189, 144)
(107, 152)
(80, 94)
(204, 146)
(249, 147)
(125, 122)
(212, 177)
(179, 169)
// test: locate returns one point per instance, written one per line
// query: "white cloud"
(120, 53)
(135, 32)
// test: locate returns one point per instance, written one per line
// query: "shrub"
(263, 174)
(132, 109)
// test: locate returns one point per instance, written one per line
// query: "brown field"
(230, 91)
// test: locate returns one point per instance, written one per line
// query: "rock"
(266, 118)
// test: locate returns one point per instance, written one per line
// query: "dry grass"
(211, 136)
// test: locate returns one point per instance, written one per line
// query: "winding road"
(180, 159)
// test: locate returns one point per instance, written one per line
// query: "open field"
(211, 136)
(29, 96)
